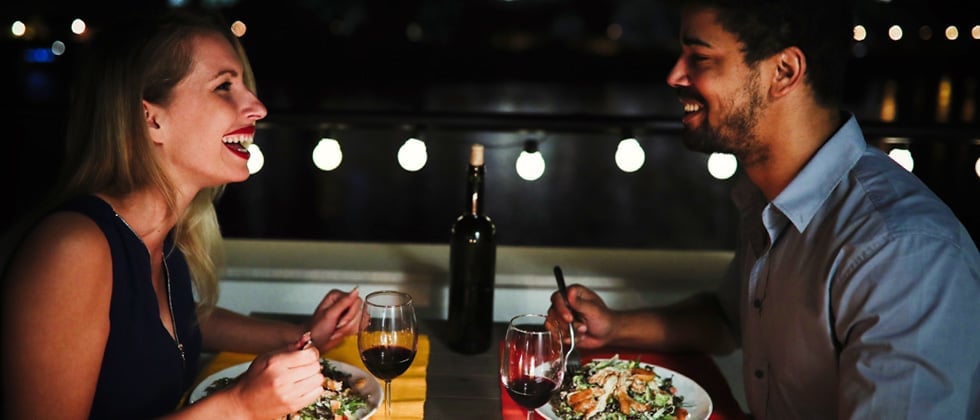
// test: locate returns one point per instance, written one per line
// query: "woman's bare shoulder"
(62, 247)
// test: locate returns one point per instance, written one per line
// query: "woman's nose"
(255, 110)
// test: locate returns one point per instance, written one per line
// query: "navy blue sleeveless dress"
(142, 375)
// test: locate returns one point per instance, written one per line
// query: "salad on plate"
(339, 400)
(618, 389)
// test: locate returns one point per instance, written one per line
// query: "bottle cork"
(476, 155)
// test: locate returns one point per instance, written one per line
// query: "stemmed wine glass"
(532, 365)
(387, 337)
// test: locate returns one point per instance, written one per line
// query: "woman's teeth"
(244, 140)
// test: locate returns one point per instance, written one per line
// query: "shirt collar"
(808, 191)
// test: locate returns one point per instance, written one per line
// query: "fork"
(572, 359)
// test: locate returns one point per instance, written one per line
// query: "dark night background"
(571, 75)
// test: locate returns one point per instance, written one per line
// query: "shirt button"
(759, 374)
(757, 303)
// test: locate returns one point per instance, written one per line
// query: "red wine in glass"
(531, 392)
(387, 337)
(532, 363)
(387, 362)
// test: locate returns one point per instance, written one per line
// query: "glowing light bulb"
(895, 32)
(256, 160)
(78, 26)
(412, 155)
(722, 165)
(327, 155)
(57, 48)
(239, 28)
(530, 164)
(860, 33)
(18, 28)
(630, 155)
(903, 157)
(952, 33)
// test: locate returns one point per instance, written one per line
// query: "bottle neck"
(474, 190)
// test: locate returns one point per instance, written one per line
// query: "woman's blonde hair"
(108, 143)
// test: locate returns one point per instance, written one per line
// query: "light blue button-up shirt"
(856, 293)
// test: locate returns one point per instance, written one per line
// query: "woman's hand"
(337, 317)
(280, 383)
(592, 319)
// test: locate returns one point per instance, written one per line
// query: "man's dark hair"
(820, 28)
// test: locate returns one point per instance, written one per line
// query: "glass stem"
(529, 414)
(388, 399)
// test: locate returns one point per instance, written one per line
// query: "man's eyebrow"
(690, 40)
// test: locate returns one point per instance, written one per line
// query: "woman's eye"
(224, 86)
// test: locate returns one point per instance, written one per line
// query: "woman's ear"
(150, 115)
(790, 71)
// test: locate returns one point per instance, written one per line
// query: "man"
(854, 291)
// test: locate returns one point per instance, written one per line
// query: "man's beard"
(734, 135)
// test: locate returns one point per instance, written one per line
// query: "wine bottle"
(472, 263)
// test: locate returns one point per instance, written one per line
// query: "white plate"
(696, 399)
(365, 384)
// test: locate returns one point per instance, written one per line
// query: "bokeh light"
(903, 157)
(530, 165)
(78, 26)
(952, 33)
(860, 33)
(895, 33)
(412, 155)
(256, 160)
(18, 29)
(327, 154)
(238, 28)
(630, 155)
(722, 165)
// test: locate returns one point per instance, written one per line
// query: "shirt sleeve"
(908, 324)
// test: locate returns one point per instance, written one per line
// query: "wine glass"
(387, 337)
(532, 365)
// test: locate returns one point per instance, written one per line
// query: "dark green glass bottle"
(472, 263)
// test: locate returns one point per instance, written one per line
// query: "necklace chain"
(170, 300)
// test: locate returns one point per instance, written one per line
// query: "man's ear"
(790, 70)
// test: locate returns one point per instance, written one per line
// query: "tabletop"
(468, 385)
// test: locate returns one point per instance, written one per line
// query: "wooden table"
(468, 386)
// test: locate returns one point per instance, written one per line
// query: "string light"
(256, 160)
(327, 155)
(860, 33)
(629, 154)
(530, 164)
(952, 33)
(895, 33)
(903, 157)
(239, 28)
(412, 155)
(18, 29)
(722, 165)
(78, 26)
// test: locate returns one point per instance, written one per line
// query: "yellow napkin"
(407, 390)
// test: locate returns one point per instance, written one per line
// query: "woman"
(100, 319)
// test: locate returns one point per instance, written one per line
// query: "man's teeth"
(692, 107)
(244, 140)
